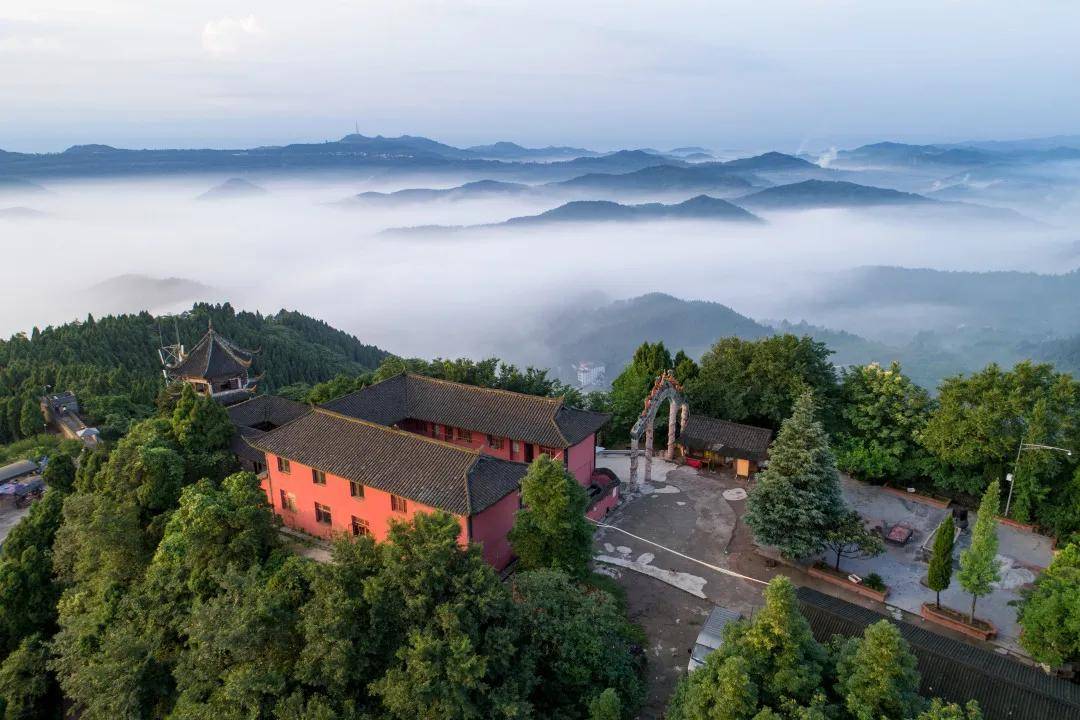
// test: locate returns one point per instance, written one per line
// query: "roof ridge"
(483, 388)
(390, 429)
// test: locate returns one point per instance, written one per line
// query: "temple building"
(710, 442)
(214, 367)
(415, 444)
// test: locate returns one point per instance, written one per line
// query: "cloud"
(228, 35)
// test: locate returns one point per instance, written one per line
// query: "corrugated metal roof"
(952, 670)
(17, 470)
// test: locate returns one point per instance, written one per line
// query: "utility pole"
(1010, 477)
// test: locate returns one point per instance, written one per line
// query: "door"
(528, 452)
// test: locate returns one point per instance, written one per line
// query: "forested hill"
(112, 362)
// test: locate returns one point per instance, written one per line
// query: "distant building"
(61, 411)
(589, 374)
(18, 471)
(214, 367)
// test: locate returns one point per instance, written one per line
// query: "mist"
(457, 293)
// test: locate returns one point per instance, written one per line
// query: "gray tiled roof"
(953, 670)
(266, 409)
(212, 358)
(731, 439)
(541, 420)
(437, 474)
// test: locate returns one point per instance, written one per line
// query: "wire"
(716, 568)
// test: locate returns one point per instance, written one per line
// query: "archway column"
(649, 432)
(633, 462)
(673, 413)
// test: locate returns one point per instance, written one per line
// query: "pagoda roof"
(438, 474)
(213, 358)
(541, 420)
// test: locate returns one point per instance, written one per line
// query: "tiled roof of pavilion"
(952, 670)
(435, 473)
(212, 358)
(531, 418)
(728, 438)
(263, 410)
(255, 417)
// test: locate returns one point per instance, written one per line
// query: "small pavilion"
(215, 367)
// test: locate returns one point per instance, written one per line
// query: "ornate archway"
(666, 387)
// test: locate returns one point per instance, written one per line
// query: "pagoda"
(214, 367)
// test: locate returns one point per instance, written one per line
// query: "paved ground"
(1021, 554)
(698, 514)
(9, 518)
(670, 596)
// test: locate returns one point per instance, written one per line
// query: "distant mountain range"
(232, 189)
(713, 178)
(932, 157)
(17, 186)
(469, 191)
(512, 151)
(827, 193)
(701, 207)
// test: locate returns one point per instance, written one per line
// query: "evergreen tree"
(606, 706)
(979, 566)
(784, 658)
(629, 389)
(939, 574)
(1050, 611)
(552, 530)
(796, 501)
(876, 675)
(720, 690)
(60, 472)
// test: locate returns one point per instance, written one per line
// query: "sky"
(782, 74)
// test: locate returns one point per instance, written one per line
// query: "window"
(322, 514)
(283, 465)
(360, 526)
(448, 432)
(397, 504)
(515, 447)
(288, 501)
(464, 435)
(356, 490)
(495, 442)
(318, 477)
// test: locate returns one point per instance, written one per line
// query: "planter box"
(917, 497)
(840, 579)
(1018, 525)
(947, 617)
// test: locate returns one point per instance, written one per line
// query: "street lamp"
(1027, 446)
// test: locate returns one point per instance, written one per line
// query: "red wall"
(480, 441)
(582, 460)
(489, 527)
(374, 507)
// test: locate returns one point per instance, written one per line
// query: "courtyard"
(697, 513)
(1021, 554)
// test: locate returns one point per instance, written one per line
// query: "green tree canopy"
(1050, 611)
(979, 566)
(629, 389)
(882, 413)
(796, 501)
(759, 381)
(876, 675)
(939, 573)
(551, 531)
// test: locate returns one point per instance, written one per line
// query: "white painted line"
(716, 568)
